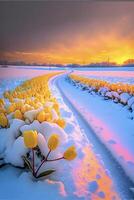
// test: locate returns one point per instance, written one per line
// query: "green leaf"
(27, 162)
(46, 173)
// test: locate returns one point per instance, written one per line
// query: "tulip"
(53, 142)
(47, 109)
(11, 99)
(11, 108)
(30, 138)
(70, 153)
(60, 122)
(56, 107)
(3, 120)
(41, 117)
(26, 108)
(2, 110)
(48, 117)
(2, 102)
(19, 104)
(18, 115)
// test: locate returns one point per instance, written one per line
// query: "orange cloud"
(82, 50)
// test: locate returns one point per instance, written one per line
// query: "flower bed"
(31, 127)
(118, 92)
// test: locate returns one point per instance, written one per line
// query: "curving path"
(114, 183)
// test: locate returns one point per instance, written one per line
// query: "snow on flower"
(31, 127)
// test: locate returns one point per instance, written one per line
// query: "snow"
(108, 94)
(31, 115)
(93, 186)
(103, 91)
(15, 152)
(112, 75)
(42, 143)
(82, 178)
(109, 121)
(124, 97)
(101, 195)
(19, 185)
(130, 101)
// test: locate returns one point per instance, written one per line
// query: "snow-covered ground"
(94, 174)
(111, 122)
(110, 76)
(83, 178)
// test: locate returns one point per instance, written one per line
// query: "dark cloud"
(32, 26)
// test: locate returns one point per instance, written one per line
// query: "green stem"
(45, 159)
(33, 163)
(55, 159)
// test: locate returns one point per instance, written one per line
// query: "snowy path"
(103, 158)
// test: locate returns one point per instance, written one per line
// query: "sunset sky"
(67, 31)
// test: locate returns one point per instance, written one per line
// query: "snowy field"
(123, 76)
(102, 132)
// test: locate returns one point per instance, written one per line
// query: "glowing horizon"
(82, 51)
(82, 33)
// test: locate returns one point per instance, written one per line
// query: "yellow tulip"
(6, 94)
(56, 107)
(11, 99)
(41, 117)
(53, 142)
(70, 153)
(2, 110)
(18, 115)
(19, 104)
(3, 120)
(30, 138)
(25, 108)
(48, 117)
(11, 108)
(60, 122)
(47, 109)
(101, 83)
(2, 102)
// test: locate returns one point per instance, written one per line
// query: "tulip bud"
(61, 122)
(53, 142)
(30, 138)
(11, 108)
(3, 120)
(47, 109)
(18, 115)
(41, 117)
(2, 110)
(48, 117)
(70, 153)
(56, 107)
(2, 102)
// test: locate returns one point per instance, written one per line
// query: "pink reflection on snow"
(87, 169)
(60, 186)
(20, 72)
(123, 74)
(106, 134)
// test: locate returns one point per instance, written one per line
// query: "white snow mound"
(124, 98)
(14, 153)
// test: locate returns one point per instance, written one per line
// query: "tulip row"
(97, 84)
(118, 92)
(29, 101)
(31, 141)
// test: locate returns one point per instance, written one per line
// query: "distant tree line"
(129, 63)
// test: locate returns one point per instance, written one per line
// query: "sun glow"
(82, 50)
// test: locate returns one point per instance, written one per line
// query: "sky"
(65, 32)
